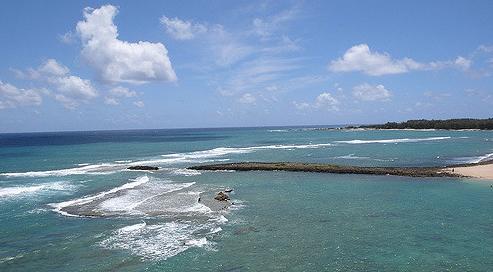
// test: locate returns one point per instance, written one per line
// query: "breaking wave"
(25, 190)
(161, 241)
(84, 200)
(202, 156)
(96, 169)
(474, 159)
(390, 141)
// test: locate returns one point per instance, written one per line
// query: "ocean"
(68, 203)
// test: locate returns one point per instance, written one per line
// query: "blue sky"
(67, 65)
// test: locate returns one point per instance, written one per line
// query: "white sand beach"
(484, 171)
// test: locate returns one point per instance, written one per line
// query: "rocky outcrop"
(221, 197)
(331, 168)
(143, 167)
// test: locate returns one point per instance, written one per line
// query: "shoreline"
(403, 129)
(481, 170)
(477, 171)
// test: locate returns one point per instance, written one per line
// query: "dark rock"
(336, 169)
(221, 196)
(143, 167)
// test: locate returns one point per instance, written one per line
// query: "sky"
(92, 65)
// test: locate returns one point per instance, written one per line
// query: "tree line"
(465, 123)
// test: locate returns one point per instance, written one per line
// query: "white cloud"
(114, 95)
(111, 101)
(139, 104)
(67, 102)
(285, 44)
(225, 47)
(49, 68)
(67, 38)
(367, 92)
(486, 48)
(326, 101)
(74, 86)
(266, 26)
(360, 58)
(463, 63)
(259, 74)
(52, 68)
(247, 98)
(69, 90)
(182, 30)
(120, 61)
(301, 105)
(11, 96)
(122, 92)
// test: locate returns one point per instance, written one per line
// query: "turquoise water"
(280, 221)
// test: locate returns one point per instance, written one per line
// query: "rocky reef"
(331, 168)
(143, 167)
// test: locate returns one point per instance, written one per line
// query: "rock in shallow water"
(143, 167)
(221, 196)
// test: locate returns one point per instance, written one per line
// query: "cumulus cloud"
(180, 29)
(12, 97)
(247, 98)
(326, 101)
(122, 92)
(52, 68)
(360, 58)
(367, 92)
(120, 61)
(115, 94)
(69, 90)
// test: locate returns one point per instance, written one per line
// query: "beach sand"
(484, 171)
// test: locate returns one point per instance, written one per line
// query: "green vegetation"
(466, 123)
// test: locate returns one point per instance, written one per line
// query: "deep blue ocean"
(67, 202)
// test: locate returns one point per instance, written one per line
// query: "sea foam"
(84, 200)
(474, 159)
(210, 155)
(25, 190)
(160, 241)
(390, 141)
(95, 169)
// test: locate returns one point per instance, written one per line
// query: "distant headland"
(449, 124)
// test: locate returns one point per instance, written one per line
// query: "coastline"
(401, 129)
(481, 170)
(478, 171)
